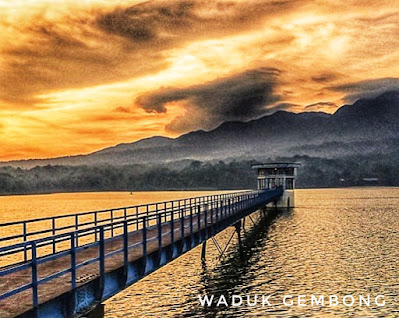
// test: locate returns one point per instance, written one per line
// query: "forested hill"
(314, 172)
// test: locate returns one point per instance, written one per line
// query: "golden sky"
(79, 76)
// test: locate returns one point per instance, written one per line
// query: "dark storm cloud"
(238, 97)
(70, 54)
(170, 23)
(100, 46)
(367, 89)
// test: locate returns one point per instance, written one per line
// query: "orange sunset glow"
(79, 76)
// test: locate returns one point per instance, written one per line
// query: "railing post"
(221, 210)
(191, 222)
(159, 225)
(76, 229)
(73, 261)
(125, 245)
(212, 225)
(182, 238)
(206, 221)
(172, 228)
(199, 222)
(144, 238)
(102, 257)
(112, 223)
(25, 239)
(53, 231)
(217, 215)
(95, 224)
(147, 214)
(137, 218)
(35, 294)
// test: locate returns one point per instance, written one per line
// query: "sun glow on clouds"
(73, 73)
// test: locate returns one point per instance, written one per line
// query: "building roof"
(276, 165)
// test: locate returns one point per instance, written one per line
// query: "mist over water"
(336, 241)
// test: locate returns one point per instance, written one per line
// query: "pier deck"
(70, 273)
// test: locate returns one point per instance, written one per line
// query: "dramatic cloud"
(69, 53)
(103, 45)
(72, 68)
(238, 97)
(367, 89)
(163, 24)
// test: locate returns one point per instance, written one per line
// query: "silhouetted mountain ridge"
(369, 126)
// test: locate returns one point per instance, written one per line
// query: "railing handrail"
(86, 231)
(24, 234)
(108, 226)
(117, 209)
(240, 201)
(114, 223)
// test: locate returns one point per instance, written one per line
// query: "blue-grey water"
(335, 242)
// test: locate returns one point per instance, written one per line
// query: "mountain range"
(368, 127)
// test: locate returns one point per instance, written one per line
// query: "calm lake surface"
(336, 241)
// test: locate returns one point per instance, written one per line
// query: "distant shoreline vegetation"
(194, 175)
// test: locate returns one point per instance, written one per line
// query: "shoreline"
(182, 190)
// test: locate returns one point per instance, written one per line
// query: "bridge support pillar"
(264, 211)
(97, 312)
(203, 251)
(238, 226)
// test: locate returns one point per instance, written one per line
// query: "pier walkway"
(66, 266)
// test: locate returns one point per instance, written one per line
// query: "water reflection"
(336, 241)
(234, 274)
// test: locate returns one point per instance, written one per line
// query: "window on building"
(289, 183)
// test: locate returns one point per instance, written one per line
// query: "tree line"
(314, 173)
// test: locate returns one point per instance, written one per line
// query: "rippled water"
(336, 241)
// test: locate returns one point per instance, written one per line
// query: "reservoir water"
(335, 242)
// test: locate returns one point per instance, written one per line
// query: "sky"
(79, 76)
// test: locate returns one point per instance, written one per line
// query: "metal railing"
(28, 230)
(192, 215)
(41, 229)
